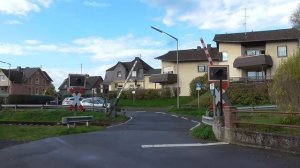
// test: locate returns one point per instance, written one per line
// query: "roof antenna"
(245, 20)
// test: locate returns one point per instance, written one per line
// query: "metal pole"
(198, 100)
(177, 67)
(177, 76)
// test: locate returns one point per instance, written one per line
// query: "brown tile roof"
(14, 76)
(190, 55)
(270, 35)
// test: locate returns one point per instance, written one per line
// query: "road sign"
(198, 86)
(218, 72)
(212, 86)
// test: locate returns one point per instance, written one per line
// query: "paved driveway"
(149, 139)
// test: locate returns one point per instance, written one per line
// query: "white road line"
(174, 115)
(184, 118)
(195, 126)
(195, 121)
(121, 123)
(160, 112)
(182, 145)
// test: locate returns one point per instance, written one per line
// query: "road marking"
(160, 112)
(195, 121)
(174, 115)
(195, 126)
(121, 123)
(182, 145)
(184, 118)
(140, 111)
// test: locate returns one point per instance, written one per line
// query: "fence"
(42, 106)
(267, 119)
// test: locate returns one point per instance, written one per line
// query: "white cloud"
(32, 42)
(22, 7)
(97, 48)
(95, 4)
(226, 15)
(11, 49)
(13, 22)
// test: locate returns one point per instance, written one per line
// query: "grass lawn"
(29, 133)
(162, 102)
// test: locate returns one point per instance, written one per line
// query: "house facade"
(256, 55)
(30, 81)
(192, 63)
(92, 83)
(115, 76)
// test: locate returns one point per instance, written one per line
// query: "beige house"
(256, 55)
(115, 76)
(192, 63)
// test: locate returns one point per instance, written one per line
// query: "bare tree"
(295, 18)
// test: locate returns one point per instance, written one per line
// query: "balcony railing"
(251, 79)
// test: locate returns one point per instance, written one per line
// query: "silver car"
(69, 100)
(97, 101)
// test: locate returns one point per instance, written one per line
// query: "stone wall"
(225, 130)
(270, 140)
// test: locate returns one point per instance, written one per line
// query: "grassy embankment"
(30, 132)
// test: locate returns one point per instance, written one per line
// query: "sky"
(89, 36)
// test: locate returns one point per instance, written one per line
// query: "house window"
(282, 51)
(202, 68)
(119, 74)
(224, 56)
(37, 80)
(2, 78)
(36, 91)
(255, 52)
(133, 74)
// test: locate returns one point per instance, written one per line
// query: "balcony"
(163, 78)
(257, 79)
(253, 62)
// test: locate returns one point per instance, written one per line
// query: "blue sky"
(60, 35)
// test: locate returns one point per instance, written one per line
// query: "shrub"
(29, 99)
(204, 82)
(286, 84)
(249, 94)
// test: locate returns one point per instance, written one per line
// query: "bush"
(204, 82)
(29, 99)
(203, 132)
(286, 84)
(249, 94)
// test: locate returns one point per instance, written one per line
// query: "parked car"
(69, 100)
(97, 101)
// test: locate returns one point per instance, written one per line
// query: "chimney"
(19, 68)
(208, 46)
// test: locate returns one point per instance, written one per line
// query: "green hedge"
(29, 99)
(249, 94)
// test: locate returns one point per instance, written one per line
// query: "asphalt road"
(149, 139)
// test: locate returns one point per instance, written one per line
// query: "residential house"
(256, 55)
(115, 76)
(31, 81)
(192, 63)
(92, 83)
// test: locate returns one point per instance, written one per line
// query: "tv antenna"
(245, 20)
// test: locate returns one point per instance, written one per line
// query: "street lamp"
(177, 67)
(9, 65)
